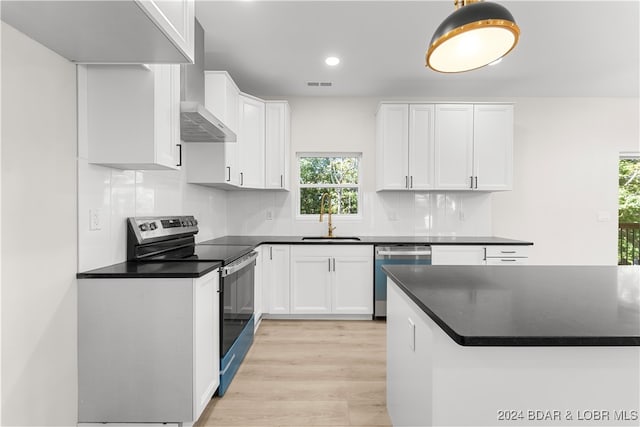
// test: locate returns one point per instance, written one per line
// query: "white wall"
(39, 251)
(118, 194)
(565, 195)
(348, 125)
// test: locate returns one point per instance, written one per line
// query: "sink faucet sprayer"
(330, 233)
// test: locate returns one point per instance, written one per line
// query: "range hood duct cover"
(197, 124)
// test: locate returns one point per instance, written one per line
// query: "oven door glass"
(237, 300)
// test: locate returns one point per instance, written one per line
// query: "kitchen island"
(526, 345)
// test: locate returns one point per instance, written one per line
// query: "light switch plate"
(269, 215)
(95, 219)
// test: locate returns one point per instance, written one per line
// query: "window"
(336, 174)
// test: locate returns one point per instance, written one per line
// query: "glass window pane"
(344, 201)
(329, 170)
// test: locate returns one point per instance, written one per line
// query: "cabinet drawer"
(507, 251)
(508, 261)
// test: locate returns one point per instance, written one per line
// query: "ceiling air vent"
(319, 84)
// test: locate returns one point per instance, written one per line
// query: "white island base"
(433, 381)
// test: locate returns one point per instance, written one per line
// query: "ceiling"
(273, 48)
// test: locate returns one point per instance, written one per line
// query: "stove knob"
(195, 221)
(144, 226)
(152, 226)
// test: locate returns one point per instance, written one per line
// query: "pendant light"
(476, 34)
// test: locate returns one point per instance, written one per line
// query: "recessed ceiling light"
(332, 61)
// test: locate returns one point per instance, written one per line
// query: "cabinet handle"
(228, 173)
(411, 183)
(406, 182)
(329, 259)
(334, 264)
(507, 252)
(281, 181)
(241, 179)
(179, 154)
(271, 252)
(471, 182)
(508, 260)
(476, 182)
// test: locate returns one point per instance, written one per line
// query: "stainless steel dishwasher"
(394, 255)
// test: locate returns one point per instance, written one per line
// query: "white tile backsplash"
(119, 194)
(384, 213)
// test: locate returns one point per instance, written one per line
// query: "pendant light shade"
(476, 34)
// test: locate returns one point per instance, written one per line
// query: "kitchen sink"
(330, 239)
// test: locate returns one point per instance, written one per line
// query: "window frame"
(299, 186)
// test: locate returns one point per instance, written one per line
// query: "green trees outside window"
(337, 175)
(629, 211)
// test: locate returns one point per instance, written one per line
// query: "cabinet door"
(453, 146)
(276, 279)
(421, 146)
(258, 289)
(493, 147)
(392, 147)
(507, 261)
(167, 114)
(206, 320)
(251, 142)
(221, 97)
(457, 255)
(352, 287)
(175, 19)
(277, 145)
(310, 284)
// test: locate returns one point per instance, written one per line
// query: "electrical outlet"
(95, 219)
(269, 215)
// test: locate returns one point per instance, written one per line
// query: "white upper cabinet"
(121, 32)
(444, 147)
(251, 137)
(421, 147)
(493, 147)
(217, 164)
(277, 144)
(222, 98)
(392, 147)
(132, 115)
(454, 146)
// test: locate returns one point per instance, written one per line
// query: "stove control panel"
(146, 228)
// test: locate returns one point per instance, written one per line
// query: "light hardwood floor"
(308, 373)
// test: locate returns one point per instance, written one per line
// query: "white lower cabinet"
(148, 349)
(479, 255)
(311, 280)
(331, 279)
(258, 285)
(457, 255)
(275, 276)
(507, 255)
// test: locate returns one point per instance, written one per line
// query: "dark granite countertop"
(141, 270)
(528, 305)
(366, 240)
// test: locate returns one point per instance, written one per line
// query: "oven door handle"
(411, 253)
(239, 265)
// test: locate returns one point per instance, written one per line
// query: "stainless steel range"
(172, 238)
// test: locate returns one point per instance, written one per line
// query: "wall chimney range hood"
(197, 124)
